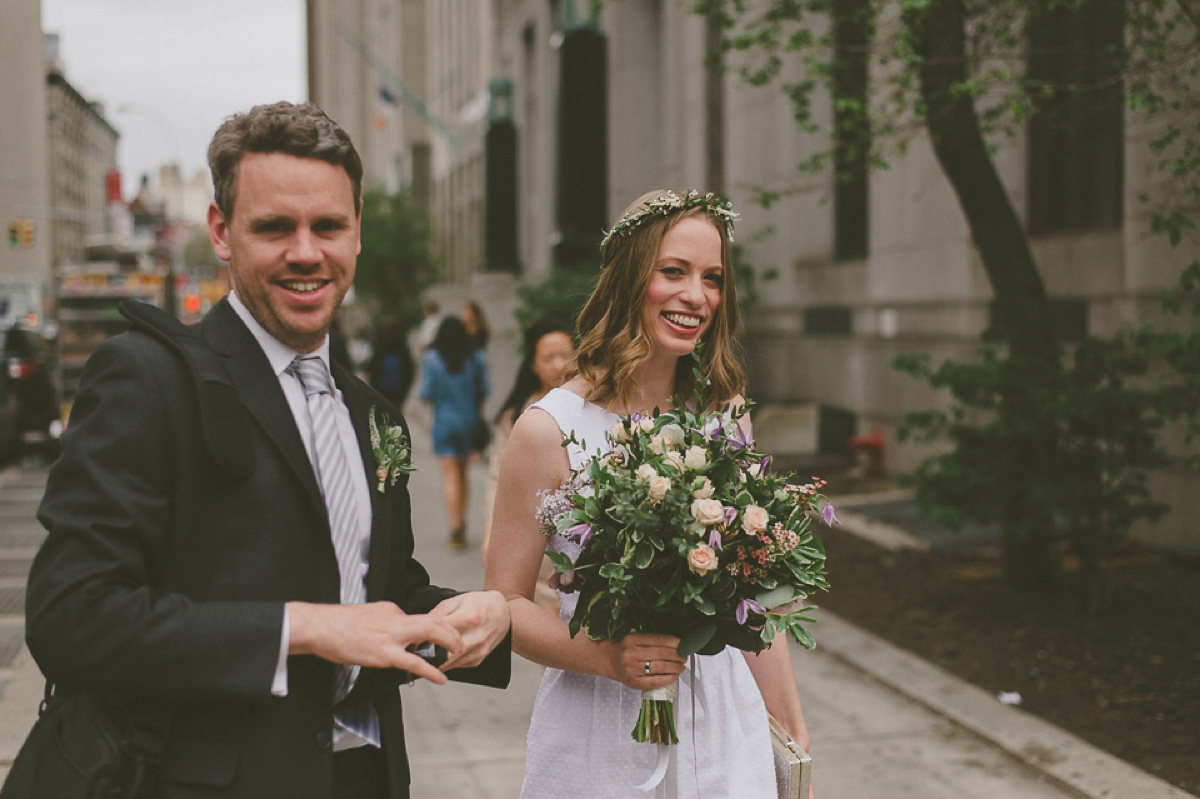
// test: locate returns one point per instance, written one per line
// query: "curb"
(1066, 759)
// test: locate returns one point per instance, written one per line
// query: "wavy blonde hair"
(613, 342)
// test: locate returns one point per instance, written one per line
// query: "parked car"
(27, 373)
(10, 426)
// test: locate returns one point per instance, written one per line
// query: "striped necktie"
(334, 476)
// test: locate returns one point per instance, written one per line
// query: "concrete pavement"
(884, 723)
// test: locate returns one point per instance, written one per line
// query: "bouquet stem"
(656, 720)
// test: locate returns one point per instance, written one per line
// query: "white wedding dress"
(579, 742)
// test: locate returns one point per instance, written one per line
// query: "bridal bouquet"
(685, 530)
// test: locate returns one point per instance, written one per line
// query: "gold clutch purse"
(793, 766)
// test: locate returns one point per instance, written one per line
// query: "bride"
(666, 283)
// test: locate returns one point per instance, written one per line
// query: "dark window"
(1069, 317)
(852, 131)
(828, 320)
(1076, 135)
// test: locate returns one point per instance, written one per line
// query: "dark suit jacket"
(163, 578)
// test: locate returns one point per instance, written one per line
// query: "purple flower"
(730, 514)
(766, 464)
(581, 533)
(714, 538)
(744, 609)
(738, 440)
(829, 515)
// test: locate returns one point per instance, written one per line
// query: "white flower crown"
(669, 203)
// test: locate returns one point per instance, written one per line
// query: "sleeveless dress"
(579, 742)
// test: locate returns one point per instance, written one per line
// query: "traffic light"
(20, 233)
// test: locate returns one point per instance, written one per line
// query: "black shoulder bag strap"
(223, 418)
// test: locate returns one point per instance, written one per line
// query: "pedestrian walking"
(454, 381)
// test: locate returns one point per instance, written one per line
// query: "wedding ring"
(647, 667)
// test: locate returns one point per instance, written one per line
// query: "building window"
(1076, 136)
(852, 132)
(828, 321)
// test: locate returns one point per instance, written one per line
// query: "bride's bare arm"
(534, 459)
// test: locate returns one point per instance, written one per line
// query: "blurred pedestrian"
(454, 381)
(429, 325)
(547, 349)
(476, 324)
(392, 368)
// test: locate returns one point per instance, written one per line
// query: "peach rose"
(702, 488)
(672, 434)
(696, 458)
(646, 472)
(754, 519)
(618, 433)
(674, 459)
(708, 511)
(702, 559)
(659, 486)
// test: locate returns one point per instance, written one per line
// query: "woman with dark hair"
(454, 381)
(666, 284)
(546, 352)
(476, 324)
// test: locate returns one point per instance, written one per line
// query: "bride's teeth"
(683, 321)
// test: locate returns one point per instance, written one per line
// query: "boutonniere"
(392, 454)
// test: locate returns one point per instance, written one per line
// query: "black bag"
(481, 434)
(85, 745)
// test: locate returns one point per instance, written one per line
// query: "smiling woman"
(666, 286)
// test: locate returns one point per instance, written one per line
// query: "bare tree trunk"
(1022, 310)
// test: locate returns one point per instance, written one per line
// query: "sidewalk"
(884, 723)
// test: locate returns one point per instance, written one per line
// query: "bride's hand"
(630, 655)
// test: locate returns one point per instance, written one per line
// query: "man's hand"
(481, 618)
(376, 635)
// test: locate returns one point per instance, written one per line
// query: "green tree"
(970, 73)
(396, 264)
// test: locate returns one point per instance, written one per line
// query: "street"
(884, 724)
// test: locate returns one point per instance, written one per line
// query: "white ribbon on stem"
(666, 693)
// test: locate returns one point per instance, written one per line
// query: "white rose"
(645, 424)
(754, 519)
(699, 530)
(703, 488)
(659, 486)
(618, 433)
(672, 434)
(696, 458)
(646, 472)
(708, 511)
(702, 559)
(755, 469)
(657, 444)
(675, 459)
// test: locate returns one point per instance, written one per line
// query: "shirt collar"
(279, 354)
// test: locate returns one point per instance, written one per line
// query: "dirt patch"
(1126, 679)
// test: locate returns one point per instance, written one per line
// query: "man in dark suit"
(168, 582)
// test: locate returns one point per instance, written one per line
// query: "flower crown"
(669, 203)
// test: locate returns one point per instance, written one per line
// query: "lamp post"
(175, 265)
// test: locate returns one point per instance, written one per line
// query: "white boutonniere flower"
(393, 456)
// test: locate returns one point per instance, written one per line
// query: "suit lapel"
(358, 402)
(258, 388)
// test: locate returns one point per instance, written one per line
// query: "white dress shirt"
(280, 357)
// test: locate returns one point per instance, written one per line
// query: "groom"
(270, 612)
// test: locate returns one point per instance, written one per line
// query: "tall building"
(83, 164)
(25, 217)
(864, 268)
(408, 80)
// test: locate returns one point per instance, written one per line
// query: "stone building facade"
(24, 155)
(83, 156)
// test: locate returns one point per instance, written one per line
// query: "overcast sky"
(181, 66)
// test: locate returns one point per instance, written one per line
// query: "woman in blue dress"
(454, 381)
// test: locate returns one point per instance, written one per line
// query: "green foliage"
(396, 264)
(1058, 455)
(562, 295)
